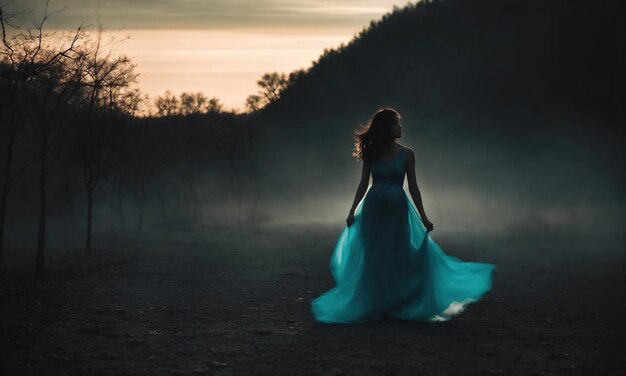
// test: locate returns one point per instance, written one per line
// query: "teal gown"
(386, 264)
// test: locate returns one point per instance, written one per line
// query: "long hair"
(373, 139)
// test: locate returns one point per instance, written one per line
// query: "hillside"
(494, 93)
(475, 57)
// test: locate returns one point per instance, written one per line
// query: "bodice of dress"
(392, 171)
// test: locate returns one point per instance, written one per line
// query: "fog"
(514, 129)
(558, 185)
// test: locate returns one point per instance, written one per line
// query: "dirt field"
(216, 303)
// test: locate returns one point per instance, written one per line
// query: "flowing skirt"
(386, 264)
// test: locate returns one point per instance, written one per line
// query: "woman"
(385, 264)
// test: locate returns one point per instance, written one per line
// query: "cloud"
(211, 14)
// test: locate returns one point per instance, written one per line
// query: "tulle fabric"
(386, 263)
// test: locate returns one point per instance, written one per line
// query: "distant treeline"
(271, 85)
(488, 84)
(71, 137)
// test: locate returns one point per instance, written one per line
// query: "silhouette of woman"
(384, 263)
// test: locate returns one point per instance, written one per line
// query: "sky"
(218, 47)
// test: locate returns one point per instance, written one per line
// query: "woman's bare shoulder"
(408, 151)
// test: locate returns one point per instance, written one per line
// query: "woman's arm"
(414, 190)
(360, 191)
(363, 184)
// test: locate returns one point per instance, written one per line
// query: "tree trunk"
(89, 217)
(41, 235)
(141, 207)
(3, 211)
(190, 201)
(255, 205)
(4, 198)
(67, 193)
(240, 197)
(120, 208)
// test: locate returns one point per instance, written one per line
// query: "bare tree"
(187, 104)
(214, 105)
(150, 151)
(254, 102)
(191, 160)
(107, 93)
(166, 105)
(41, 73)
(192, 103)
(241, 162)
(271, 87)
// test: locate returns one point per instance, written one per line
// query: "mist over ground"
(514, 128)
(192, 241)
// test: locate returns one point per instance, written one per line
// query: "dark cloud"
(209, 14)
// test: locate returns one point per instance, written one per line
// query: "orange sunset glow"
(220, 48)
(222, 63)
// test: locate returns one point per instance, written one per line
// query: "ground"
(221, 303)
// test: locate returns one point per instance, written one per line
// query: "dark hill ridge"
(476, 57)
(498, 94)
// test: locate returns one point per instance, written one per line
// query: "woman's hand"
(350, 219)
(429, 226)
